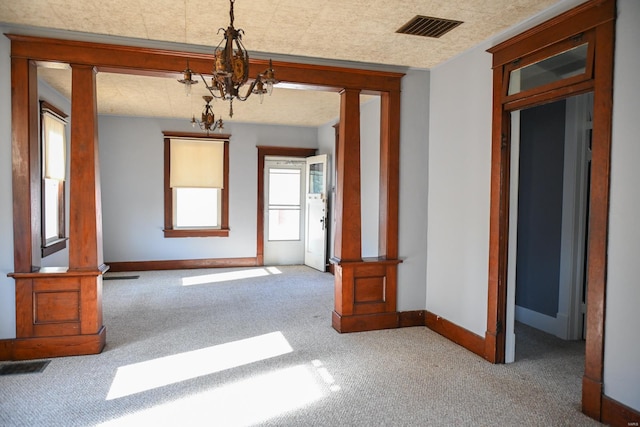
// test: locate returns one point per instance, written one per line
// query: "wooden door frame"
(264, 151)
(595, 18)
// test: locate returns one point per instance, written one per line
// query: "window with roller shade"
(196, 185)
(54, 151)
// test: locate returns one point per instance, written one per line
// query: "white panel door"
(316, 213)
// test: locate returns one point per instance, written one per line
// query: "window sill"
(53, 247)
(203, 232)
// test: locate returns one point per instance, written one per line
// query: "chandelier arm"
(249, 90)
(210, 88)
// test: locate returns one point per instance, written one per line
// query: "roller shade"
(54, 147)
(197, 164)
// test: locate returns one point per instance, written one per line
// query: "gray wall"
(542, 133)
(7, 285)
(131, 162)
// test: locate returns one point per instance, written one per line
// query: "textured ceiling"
(337, 30)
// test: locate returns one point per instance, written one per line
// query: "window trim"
(169, 231)
(53, 245)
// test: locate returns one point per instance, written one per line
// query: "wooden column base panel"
(365, 297)
(58, 313)
(40, 348)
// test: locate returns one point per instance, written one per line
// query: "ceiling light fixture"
(231, 69)
(208, 122)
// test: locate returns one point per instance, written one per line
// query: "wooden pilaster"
(366, 290)
(348, 241)
(26, 165)
(389, 174)
(85, 222)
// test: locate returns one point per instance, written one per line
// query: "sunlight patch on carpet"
(228, 276)
(152, 374)
(243, 403)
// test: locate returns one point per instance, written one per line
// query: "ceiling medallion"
(231, 70)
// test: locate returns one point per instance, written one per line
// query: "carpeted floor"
(255, 347)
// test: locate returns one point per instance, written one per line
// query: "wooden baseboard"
(407, 319)
(182, 264)
(364, 322)
(6, 349)
(45, 347)
(591, 398)
(616, 414)
(455, 333)
(404, 319)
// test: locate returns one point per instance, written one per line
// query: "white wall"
(7, 287)
(459, 180)
(131, 162)
(414, 134)
(459, 190)
(370, 175)
(622, 343)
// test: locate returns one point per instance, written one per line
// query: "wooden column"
(389, 174)
(365, 290)
(26, 165)
(58, 310)
(348, 240)
(85, 222)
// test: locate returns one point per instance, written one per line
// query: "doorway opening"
(295, 211)
(550, 174)
(284, 210)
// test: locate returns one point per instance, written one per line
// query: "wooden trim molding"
(597, 16)
(459, 335)
(616, 414)
(182, 264)
(160, 62)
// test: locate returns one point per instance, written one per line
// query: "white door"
(316, 213)
(284, 211)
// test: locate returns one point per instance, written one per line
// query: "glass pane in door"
(284, 204)
(316, 181)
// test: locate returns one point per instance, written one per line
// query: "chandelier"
(208, 120)
(231, 70)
